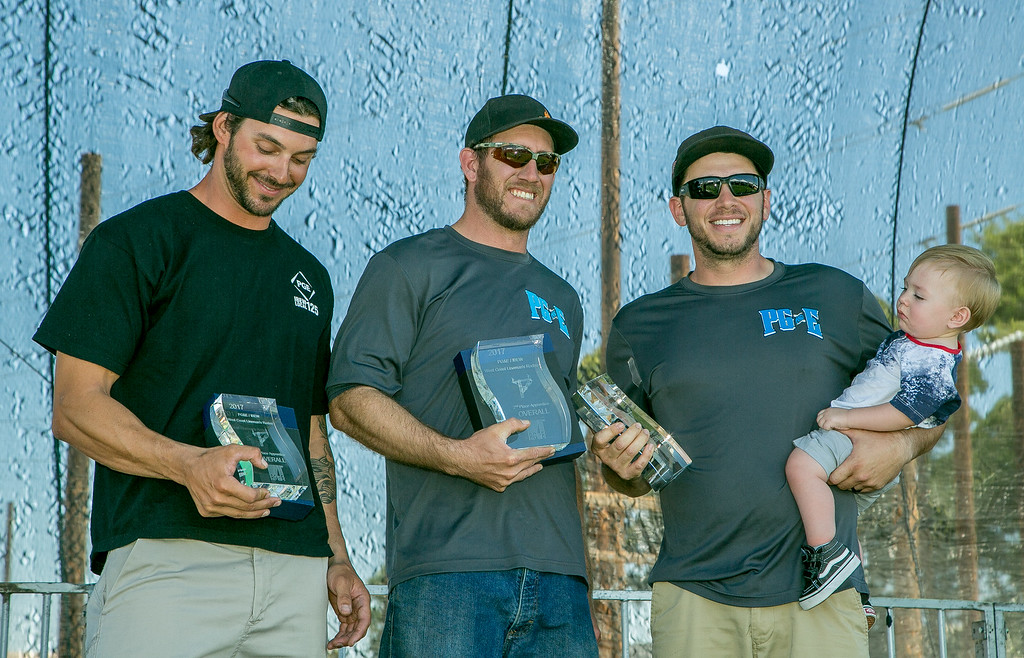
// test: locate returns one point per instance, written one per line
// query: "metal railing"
(44, 590)
(989, 634)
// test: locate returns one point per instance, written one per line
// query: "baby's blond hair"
(974, 277)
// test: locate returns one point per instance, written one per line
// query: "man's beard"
(238, 183)
(489, 195)
(729, 251)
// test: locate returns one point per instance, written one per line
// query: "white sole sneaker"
(831, 584)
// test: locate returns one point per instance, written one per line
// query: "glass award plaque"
(260, 422)
(512, 378)
(599, 403)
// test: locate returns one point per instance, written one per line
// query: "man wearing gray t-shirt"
(485, 549)
(732, 360)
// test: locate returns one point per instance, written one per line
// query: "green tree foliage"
(590, 367)
(1004, 243)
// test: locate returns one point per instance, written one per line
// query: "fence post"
(979, 636)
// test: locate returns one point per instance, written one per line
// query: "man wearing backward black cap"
(178, 301)
(485, 553)
(735, 360)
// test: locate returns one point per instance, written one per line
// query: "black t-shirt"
(735, 373)
(184, 305)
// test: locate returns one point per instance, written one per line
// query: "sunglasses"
(517, 156)
(710, 187)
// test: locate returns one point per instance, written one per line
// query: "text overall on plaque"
(512, 378)
(260, 422)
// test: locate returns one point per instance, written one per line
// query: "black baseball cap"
(258, 87)
(720, 139)
(504, 112)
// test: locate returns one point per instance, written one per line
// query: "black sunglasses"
(709, 187)
(517, 156)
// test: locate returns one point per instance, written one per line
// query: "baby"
(911, 381)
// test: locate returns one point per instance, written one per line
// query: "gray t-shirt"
(734, 373)
(419, 302)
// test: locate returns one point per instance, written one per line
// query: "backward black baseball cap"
(505, 112)
(720, 139)
(258, 87)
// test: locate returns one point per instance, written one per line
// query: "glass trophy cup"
(599, 403)
(511, 378)
(260, 422)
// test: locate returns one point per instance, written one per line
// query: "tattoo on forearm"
(323, 474)
(323, 469)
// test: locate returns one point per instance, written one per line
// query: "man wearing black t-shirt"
(485, 552)
(172, 303)
(734, 360)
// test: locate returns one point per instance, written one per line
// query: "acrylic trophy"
(260, 422)
(599, 403)
(511, 378)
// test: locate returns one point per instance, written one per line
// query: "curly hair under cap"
(204, 142)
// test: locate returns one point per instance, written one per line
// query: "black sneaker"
(825, 569)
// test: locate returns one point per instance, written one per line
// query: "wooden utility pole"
(966, 531)
(1017, 407)
(679, 265)
(604, 508)
(9, 543)
(73, 535)
(907, 572)
(89, 211)
(610, 219)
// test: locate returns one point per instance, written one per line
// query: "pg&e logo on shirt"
(784, 319)
(306, 292)
(541, 310)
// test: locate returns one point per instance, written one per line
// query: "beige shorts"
(684, 624)
(177, 597)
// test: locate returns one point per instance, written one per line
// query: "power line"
(967, 98)
(988, 217)
(903, 144)
(508, 41)
(48, 222)
(23, 359)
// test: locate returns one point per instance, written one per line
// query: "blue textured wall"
(824, 83)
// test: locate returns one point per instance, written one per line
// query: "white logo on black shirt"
(306, 292)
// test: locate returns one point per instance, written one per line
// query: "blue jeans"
(475, 614)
